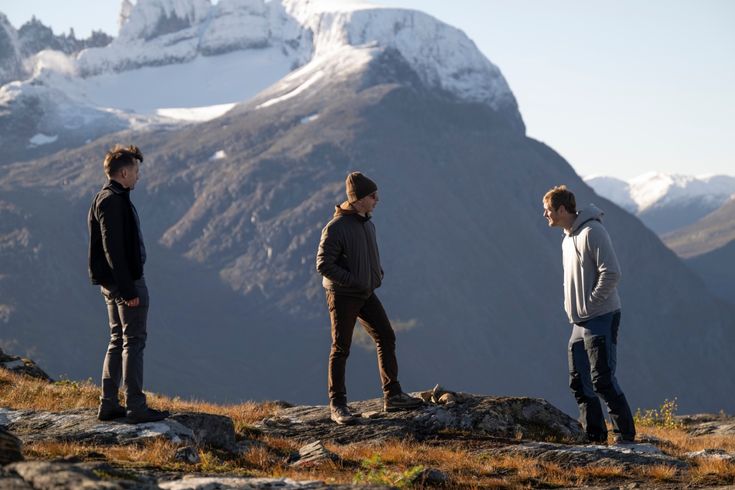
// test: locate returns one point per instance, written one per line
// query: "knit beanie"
(358, 186)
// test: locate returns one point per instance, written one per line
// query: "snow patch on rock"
(41, 139)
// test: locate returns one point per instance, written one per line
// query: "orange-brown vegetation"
(395, 462)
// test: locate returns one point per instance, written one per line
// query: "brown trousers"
(344, 311)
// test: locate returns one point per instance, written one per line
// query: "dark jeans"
(592, 363)
(124, 357)
(344, 311)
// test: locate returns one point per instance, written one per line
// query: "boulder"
(482, 416)
(81, 425)
(209, 430)
(10, 448)
(24, 366)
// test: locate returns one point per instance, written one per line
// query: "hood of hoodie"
(588, 213)
(346, 209)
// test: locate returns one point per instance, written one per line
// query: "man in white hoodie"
(591, 275)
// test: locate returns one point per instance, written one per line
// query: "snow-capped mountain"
(666, 202)
(183, 60)
(232, 208)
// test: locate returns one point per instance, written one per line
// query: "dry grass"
(21, 392)
(663, 473)
(387, 462)
(712, 472)
(678, 442)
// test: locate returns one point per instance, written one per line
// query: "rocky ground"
(486, 428)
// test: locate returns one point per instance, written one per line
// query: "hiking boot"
(146, 415)
(401, 401)
(106, 414)
(341, 414)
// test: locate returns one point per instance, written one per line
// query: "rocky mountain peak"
(150, 19)
(162, 32)
(11, 64)
(443, 56)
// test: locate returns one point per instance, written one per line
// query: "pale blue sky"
(616, 87)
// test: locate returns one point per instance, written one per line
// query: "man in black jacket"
(116, 259)
(348, 259)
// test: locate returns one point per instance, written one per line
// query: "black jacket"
(348, 256)
(114, 241)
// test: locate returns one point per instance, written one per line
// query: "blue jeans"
(592, 362)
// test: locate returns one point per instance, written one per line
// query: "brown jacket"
(348, 256)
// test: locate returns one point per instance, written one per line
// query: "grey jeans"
(124, 357)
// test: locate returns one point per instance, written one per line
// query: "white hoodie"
(591, 269)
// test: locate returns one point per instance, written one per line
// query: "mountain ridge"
(667, 202)
(232, 208)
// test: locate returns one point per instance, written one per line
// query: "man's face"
(129, 175)
(555, 217)
(367, 203)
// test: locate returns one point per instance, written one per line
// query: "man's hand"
(133, 302)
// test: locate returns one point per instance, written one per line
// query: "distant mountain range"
(232, 204)
(666, 202)
(695, 217)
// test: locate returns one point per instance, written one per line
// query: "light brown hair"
(121, 156)
(561, 196)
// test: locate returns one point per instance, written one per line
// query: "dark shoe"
(106, 414)
(622, 440)
(146, 415)
(341, 414)
(596, 439)
(401, 401)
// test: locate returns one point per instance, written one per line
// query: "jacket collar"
(116, 187)
(346, 209)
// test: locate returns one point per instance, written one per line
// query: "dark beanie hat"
(358, 186)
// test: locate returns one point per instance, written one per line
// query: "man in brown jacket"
(348, 259)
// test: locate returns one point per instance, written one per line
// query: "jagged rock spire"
(126, 7)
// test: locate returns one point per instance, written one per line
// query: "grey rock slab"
(483, 416)
(42, 475)
(81, 425)
(711, 454)
(591, 455)
(704, 424)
